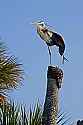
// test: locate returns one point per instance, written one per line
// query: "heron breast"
(43, 33)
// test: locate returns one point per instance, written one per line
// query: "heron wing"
(58, 39)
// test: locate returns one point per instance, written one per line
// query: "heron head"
(39, 24)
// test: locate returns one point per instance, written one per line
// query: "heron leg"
(49, 53)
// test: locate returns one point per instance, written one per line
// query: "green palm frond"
(63, 118)
(11, 72)
(13, 114)
(17, 115)
(3, 49)
(36, 115)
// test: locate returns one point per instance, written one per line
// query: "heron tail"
(64, 59)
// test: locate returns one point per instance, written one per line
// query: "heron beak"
(34, 23)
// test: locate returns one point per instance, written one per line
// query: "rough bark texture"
(54, 80)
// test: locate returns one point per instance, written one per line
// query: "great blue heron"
(51, 38)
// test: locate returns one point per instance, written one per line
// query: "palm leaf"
(63, 118)
(11, 72)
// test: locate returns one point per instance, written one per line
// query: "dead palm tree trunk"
(54, 80)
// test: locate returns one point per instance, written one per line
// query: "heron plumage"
(44, 34)
(51, 38)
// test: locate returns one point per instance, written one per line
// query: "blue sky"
(16, 31)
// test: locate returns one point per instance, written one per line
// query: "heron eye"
(42, 24)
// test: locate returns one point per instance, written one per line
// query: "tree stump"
(54, 80)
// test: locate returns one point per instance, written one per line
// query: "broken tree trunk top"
(55, 73)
